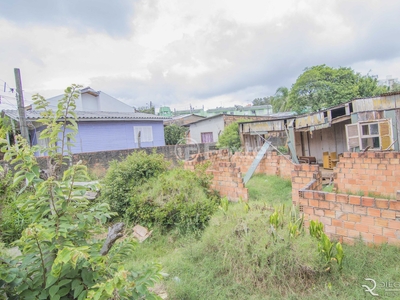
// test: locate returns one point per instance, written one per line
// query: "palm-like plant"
(280, 102)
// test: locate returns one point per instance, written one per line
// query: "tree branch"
(114, 233)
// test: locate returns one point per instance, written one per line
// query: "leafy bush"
(12, 218)
(123, 176)
(177, 198)
(61, 257)
(230, 138)
(173, 134)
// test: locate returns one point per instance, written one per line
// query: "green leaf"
(30, 176)
(18, 179)
(64, 282)
(64, 291)
(9, 277)
(44, 294)
(87, 277)
(50, 280)
(53, 290)
(109, 288)
(82, 295)
(77, 290)
(36, 170)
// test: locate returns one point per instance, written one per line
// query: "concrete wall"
(98, 162)
(215, 125)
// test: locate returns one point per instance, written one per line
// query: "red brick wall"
(305, 177)
(227, 177)
(270, 164)
(376, 173)
(346, 217)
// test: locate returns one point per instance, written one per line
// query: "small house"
(102, 131)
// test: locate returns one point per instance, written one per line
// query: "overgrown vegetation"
(237, 256)
(12, 218)
(230, 138)
(123, 177)
(173, 134)
(270, 189)
(144, 191)
(175, 199)
(60, 254)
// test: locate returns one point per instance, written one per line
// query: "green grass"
(270, 189)
(235, 257)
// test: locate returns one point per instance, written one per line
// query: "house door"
(207, 137)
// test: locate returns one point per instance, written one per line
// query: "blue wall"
(111, 135)
(114, 135)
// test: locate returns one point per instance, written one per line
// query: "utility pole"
(21, 108)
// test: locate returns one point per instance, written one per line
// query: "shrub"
(12, 218)
(123, 176)
(177, 198)
(173, 134)
(60, 256)
(230, 138)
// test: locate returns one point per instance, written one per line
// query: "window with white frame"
(373, 135)
(146, 133)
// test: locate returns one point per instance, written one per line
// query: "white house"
(91, 100)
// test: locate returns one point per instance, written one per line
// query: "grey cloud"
(240, 57)
(113, 17)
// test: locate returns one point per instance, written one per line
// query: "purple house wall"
(104, 131)
(110, 135)
(115, 135)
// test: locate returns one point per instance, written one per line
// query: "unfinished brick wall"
(370, 173)
(346, 217)
(228, 169)
(227, 177)
(305, 177)
(270, 164)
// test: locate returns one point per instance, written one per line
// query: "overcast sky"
(182, 52)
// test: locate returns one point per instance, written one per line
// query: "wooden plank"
(256, 161)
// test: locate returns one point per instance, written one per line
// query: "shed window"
(146, 133)
(372, 135)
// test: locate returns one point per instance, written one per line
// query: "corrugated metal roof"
(33, 115)
(383, 102)
(240, 108)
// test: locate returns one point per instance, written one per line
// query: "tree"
(280, 100)
(146, 109)
(173, 134)
(61, 256)
(395, 87)
(230, 138)
(321, 87)
(262, 101)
